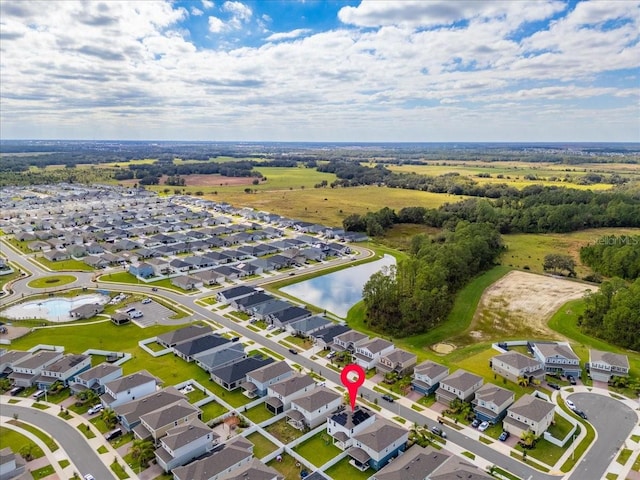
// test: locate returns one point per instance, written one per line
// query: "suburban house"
(259, 380)
(460, 384)
(604, 365)
(231, 376)
(349, 341)
(186, 283)
(63, 370)
(171, 339)
(529, 413)
(86, 311)
(376, 445)
(200, 345)
(342, 426)
(282, 393)
(209, 277)
(514, 366)
(57, 255)
(184, 443)
(11, 465)
(26, 371)
(262, 310)
(427, 376)
(129, 388)
(211, 360)
(231, 456)
(142, 270)
(129, 413)
(233, 293)
(558, 358)
(8, 359)
(156, 424)
(398, 361)
(95, 378)
(291, 314)
(244, 304)
(368, 353)
(491, 402)
(255, 469)
(308, 326)
(313, 409)
(324, 337)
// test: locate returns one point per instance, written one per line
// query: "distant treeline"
(418, 293)
(614, 256)
(534, 209)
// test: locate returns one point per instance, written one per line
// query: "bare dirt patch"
(519, 305)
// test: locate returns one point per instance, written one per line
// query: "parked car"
(16, 391)
(581, 414)
(388, 398)
(136, 314)
(483, 426)
(271, 326)
(146, 301)
(95, 409)
(504, 435)
(476, 423)
(235, 339)
(438, 431)
(571, 379)
(293, 351)
(570, 404)
(113, 434)
(554, 386)
(88, 476)
(39, 394)
(154, 289)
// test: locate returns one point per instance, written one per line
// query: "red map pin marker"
(353, 386)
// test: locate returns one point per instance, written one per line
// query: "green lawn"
(560, 428)
(342, 469)
(319, 449)
(17, 441)
(118, 470)
(283, 431)
(51, 281)
(303, 343)
(126, 277)
(43, 472)
(102, 449)
(195, 395)
(64, 463)
(209, 300)
(4, 279)
(99, 424)
(273, 354)
(62, 265)
(212, 410)
(624, 456)
(288, 467)
(48, 441)
(86, 431)
(262, 446)
(258, 414)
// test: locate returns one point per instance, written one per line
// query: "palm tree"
(91, 397)
(142, 451)
(523, 381)
(467, 410)
(109, 417)
(528, 439)
(5, 384)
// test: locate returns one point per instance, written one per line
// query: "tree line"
(614, 256)
(418, 293)
(613, 313)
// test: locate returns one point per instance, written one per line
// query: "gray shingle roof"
(273, 370)
(461, 380)
(531, 407)
(493, 394)
(430, 369)
(553, 349)
(183, 334)
(517, 360)
(316, 399)
(415, 464)
(292, 384)
(213, 465)
(130, 381)
(613, 359)
(184, 434)
(380, 435)
(165, 416)
(132, 411)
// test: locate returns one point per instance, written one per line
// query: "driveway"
(613, 422)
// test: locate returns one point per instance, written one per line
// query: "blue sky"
(425, 70)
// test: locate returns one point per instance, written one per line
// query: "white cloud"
(215, 24)
(240, 13)
(196, 12)
(299, 32)
(207, 4)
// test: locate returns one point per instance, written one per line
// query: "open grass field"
(62, 265)
(520, 303)
(17, 441)
(51, 281)
(529, 250)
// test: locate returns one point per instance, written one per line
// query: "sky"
(334, 71)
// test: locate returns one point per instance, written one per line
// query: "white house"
(349, 341)
(232, 456)
(282, 393)
(604, 365)
(367, 354)
(259, 380)
(184, 443)
(63, 370)
(557, 358)
(491, 402)
(126, 389)
(95, 378)
(342, 426)
(26, 371)
(529, 413)
(427, 376)
(460, 384)
(514, 365)
(313, 409)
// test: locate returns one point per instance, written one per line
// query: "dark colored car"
(293, 351)
(503, 436)
(113, 434)
(554, 386)
(154, 289)
(235, 339)
(476, 423)
(571, 379)
(581, 414)
(16, 391)
(388, 398)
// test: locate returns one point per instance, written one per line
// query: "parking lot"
(152, 313)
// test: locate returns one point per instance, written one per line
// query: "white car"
(88, 476)
(271, 327)
(146, 301)
(570, 404)
(483, 426)
(95, 409)
(136, 314)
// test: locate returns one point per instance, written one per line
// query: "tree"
(555, 262)
(28, 451)
(5, 384)
(109, 417)
(528, 439)
(142, 451)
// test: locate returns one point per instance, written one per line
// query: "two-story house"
(233, 455)
(259, 380)
(231, 376)
(604, 365)
(529, 413)
(184, 443)
(155, 424)
(460, 384)
(368, 353)
(191, 332)
(313, 409)
(348, 341)
(491, 403)
(129, 413)
(282, 393)
(128, 388)
(9, 359)
(63, 370)
(343, 425)
(27, 370)
(514, 366)
(324, 337)
(375, 446)
(397, 361)
(558, 358)
(95, 378)
(427, 376)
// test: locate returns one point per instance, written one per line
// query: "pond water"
(337, 292)
(53, 309)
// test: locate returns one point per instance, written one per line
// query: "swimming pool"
(53, 309)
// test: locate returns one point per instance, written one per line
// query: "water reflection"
(337, 292)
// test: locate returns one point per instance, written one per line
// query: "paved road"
(73, 442)
(613, 422)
